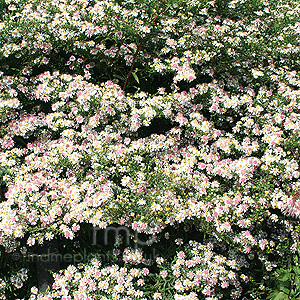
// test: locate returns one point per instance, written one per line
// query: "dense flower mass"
(175, 121)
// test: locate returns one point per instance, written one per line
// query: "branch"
(133, 61)
(139, 48)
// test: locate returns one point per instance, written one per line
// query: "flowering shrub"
(175, 120)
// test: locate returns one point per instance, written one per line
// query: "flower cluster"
(93, 281)
(199, 269)
(152, 116)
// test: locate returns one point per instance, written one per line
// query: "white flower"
(257, 73)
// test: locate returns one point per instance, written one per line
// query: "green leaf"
(297, 281)
(119, 77)
(284, 290)
(136, 78)
(296, 270)
(276, 295)
(284, 275)
(296, 259)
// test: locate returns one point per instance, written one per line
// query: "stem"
(292, 284)
(132, 65)
(139, 48)
(47, 260)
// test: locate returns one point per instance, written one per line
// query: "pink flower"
(145, 271)
(224, 285)
(207, 291)
(164, 273)
(246, 249)
(157, 296)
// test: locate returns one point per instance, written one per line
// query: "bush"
(155, 143)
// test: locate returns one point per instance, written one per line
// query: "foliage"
(288, 280)
(173, 124)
